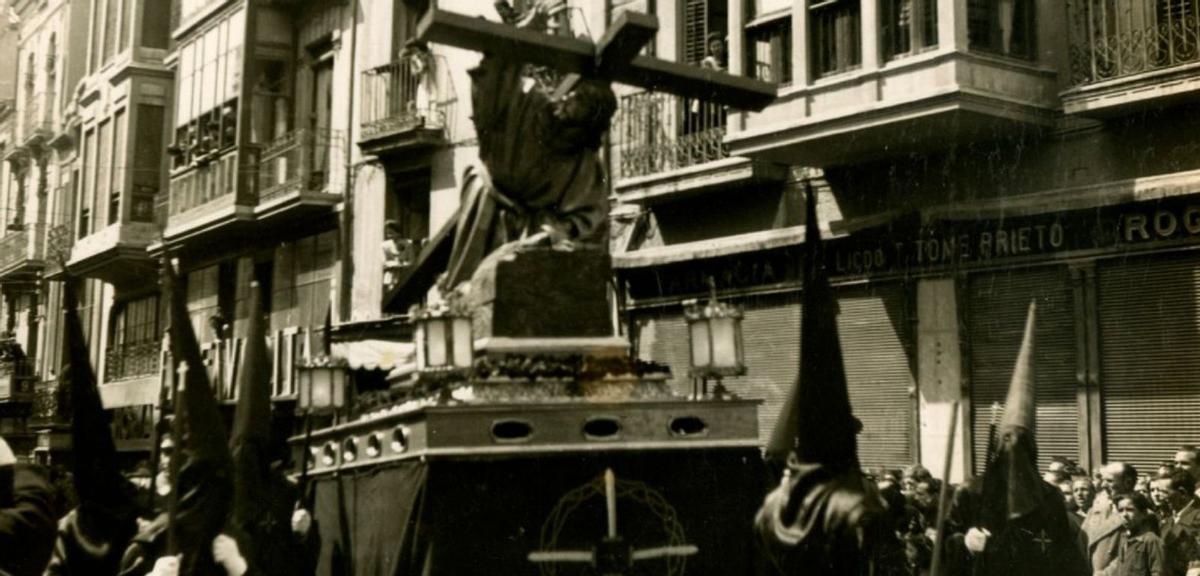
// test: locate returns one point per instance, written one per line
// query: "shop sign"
(905, 245)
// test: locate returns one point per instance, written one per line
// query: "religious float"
(526, 438)
(541, 447)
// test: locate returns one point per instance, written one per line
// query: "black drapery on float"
(485, 516)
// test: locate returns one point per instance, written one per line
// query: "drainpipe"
(346, 219)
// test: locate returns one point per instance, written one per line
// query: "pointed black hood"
(816, 423)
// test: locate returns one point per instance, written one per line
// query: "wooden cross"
(612, 556)
(615, 57)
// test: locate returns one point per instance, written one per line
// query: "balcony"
(950, 74)
(667, 147)
(213, 193)
(116, 254)
(22, 254)
(36, 125)
(300, 173)
(406, 106)
(132, 374)
(17, 380)
(1130, 54)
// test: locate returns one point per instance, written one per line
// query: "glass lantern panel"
(701, 351)
(724, 342)
(435, 343)
(337, 380)
(304, 382)
(322, 396)
(462, 342)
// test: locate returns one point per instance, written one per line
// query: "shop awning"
(374, 354)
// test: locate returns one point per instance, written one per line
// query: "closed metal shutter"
(771, 335)
(997, 305)
(1150, 358)
(876, 339)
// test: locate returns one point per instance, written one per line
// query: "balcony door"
(320, 116)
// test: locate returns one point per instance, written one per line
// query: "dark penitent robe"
(26, 523)
(824, 521)
(539, 168)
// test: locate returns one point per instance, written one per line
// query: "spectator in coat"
(1103, 524)
(1181, 528)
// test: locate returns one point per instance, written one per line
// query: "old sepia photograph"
(600, 287)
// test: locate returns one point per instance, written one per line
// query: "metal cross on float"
(615, 57)
(612, 556)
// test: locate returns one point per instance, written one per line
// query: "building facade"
(969, 157)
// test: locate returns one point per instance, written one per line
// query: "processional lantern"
(714, 340)
(444, 339)
(322, 385)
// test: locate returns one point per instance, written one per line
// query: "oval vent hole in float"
(329, 453)
(399, 439)
(602, 428)
(506, 431)
(350, 449)
(375, 445)
(688, 426)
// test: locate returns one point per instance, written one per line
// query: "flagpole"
(939, 544)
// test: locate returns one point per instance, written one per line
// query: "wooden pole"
(939, 543)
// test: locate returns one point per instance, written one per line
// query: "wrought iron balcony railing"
(1117, 38)
(407, 94)
(130, 361)
(301, 161)
(656, 132)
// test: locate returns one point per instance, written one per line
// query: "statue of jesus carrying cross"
(540, 178)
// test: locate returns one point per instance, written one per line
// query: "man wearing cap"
(26, 516)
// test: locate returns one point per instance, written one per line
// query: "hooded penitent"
(825, 517)
(816, 423)
(1014, 475)
(262, 499)
(1030, 532)
(203, 488)
(94, 536)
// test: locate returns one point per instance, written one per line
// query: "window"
(909, 26)
(111, 10)
(1004, 27)
(407, 225)
(103, 186)
(156, 24)
(118, 168)
(769, 48)
(135, 339)
(123, 24)
(147, 160)
(94, 52)
(203, 302)
(703, 22)
(209, 81)
(835, 30)
(89, 183)
(303, 273)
